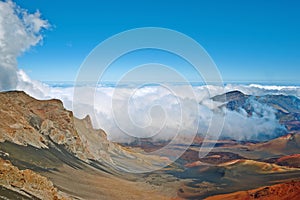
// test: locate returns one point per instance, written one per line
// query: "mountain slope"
(43, 137)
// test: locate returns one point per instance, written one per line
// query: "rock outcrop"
(27, 121)
(28, 183)
(44, 124)
(47, 124)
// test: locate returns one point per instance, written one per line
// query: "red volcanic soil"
(284, 158)
(283, 191)
(192, 159)
(193, 164)
(291, 160)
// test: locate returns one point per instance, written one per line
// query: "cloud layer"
(155, 111)
(19, 30)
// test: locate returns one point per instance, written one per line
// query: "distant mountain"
(287, 107)
(230, 96)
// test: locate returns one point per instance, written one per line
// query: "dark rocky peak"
(229, 96)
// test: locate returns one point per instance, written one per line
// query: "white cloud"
(19, 30)
(158, 110)
(262, 125)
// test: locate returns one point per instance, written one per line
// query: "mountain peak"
(229, 96)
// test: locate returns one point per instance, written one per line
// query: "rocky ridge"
(41, 137)
(28, 183)
(47, 124)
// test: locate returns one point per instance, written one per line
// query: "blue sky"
(250, 41)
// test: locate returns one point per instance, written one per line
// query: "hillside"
(47, 153)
